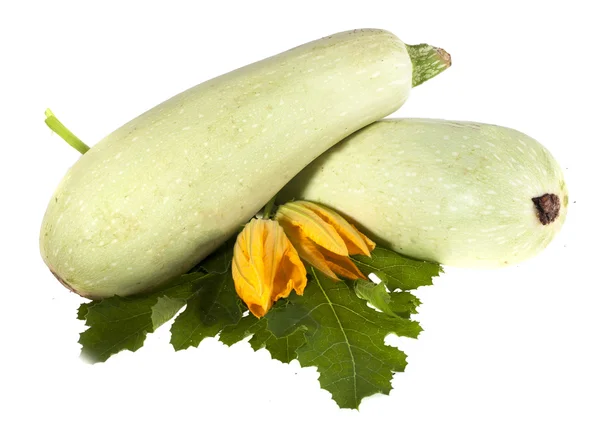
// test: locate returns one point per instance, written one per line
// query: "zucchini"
(160, 193)
(458, 193)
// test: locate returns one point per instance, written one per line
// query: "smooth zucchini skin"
(163, 191)
(457, 193)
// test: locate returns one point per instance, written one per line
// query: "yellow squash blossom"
(265, 266)
(323, 238)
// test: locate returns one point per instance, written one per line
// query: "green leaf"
(375, 294)
(402, 304)
(246, 327)
(213, 306)
(118, 323)
(344, 339)
(165, 309)
(122, 323)
(397, 271)
(281, 348)
(330, 326)
(83, 309)
(219, 262)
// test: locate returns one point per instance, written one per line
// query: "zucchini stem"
(427, 61)
(57, 127)
(269, 208)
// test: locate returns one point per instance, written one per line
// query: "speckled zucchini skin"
(457, 193)
(163, 191)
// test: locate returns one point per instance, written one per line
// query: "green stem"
(427, 61)
(60, 129)
(269, 208)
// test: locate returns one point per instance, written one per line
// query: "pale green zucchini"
(163, 191)
(458, 193)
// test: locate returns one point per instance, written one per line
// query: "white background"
(518, 344)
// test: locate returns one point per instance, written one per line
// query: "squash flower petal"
(356, 242)
(307, 249)
(317, 229)
(308, 226)
(265, 266)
